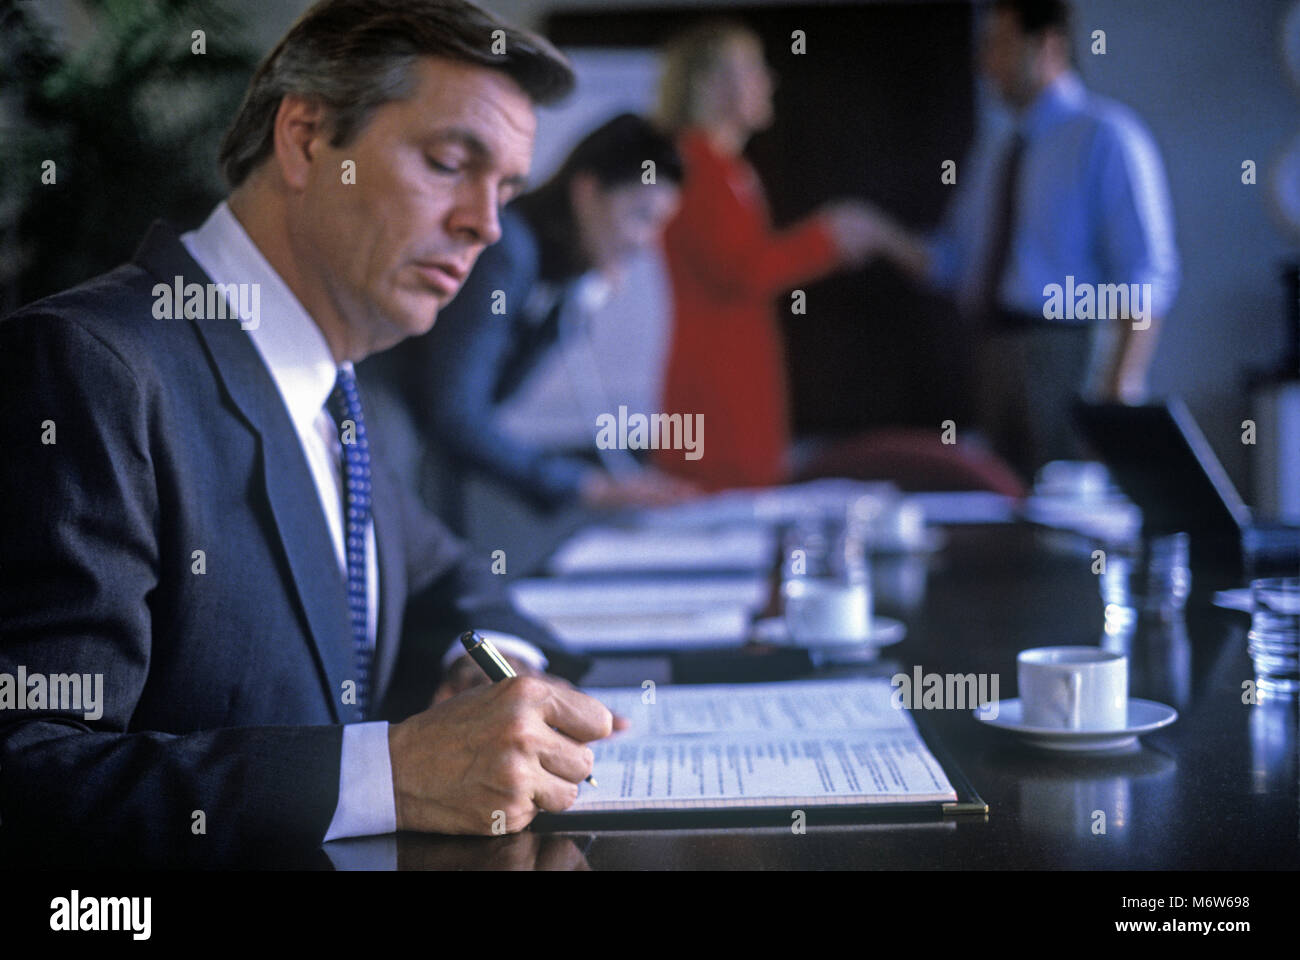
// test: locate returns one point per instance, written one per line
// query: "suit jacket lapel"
(304, 536)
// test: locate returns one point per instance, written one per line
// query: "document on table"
(543, 597)
(805, 743)
(828, 497)
(674, 630)
(965, 506)
(604, 549)
(657, 613)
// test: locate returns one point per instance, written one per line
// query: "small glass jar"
(826, 586)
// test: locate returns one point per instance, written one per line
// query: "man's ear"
(299, 133)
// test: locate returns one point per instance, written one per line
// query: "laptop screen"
(1164, 464)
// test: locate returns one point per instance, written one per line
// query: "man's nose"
(477, 215)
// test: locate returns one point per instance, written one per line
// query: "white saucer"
(1234, 599)
(1144, 716)
(885, 632)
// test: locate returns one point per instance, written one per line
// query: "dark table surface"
(1216, 790)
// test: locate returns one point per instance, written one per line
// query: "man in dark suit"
(191, 512)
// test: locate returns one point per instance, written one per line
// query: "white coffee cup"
(1073, 688)
(1077, 479)
(827, 611)
(902, 525)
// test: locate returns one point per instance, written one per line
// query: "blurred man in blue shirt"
(1061, 226)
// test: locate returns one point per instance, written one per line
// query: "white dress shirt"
(298, 358)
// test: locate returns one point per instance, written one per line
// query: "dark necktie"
(1003, 228)
(345, 407)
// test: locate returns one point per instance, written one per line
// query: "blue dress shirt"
(1092, 203)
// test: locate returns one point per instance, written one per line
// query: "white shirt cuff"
(366, 804)
(507, 643)
(363, 853)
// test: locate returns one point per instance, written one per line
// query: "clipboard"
(968, 807)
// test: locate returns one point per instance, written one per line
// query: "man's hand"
(645, 488)
(465, 673)
(858, 230)
(1125, 359)
(509, 749)
(1127, 388)
(862, 231)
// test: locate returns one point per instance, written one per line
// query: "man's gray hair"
(355, 55)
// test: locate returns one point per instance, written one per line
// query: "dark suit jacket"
(222, 689)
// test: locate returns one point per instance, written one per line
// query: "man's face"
(1008, 58)
(618, 223)
(387, 252)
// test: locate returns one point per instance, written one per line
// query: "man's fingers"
(554, 794)
(565, 758)
(465, 674)
(579, 716)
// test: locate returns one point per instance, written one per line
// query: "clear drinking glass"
(1274, 638)
(1149, 574)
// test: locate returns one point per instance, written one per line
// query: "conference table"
(1217, 789)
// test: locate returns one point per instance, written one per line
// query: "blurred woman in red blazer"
(727, 264)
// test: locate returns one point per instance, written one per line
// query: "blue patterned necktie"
(345, 407)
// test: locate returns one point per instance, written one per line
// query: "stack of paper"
(605, 549)
(828, 498)
(644, 614)
(965, 506)
(544, 598)
(603, 633)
